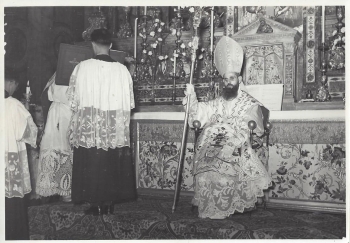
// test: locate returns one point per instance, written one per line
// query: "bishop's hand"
(188, 91)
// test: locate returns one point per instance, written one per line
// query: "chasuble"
(229, 176)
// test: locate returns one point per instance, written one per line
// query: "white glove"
(188, 91)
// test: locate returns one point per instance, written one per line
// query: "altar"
(306, 157)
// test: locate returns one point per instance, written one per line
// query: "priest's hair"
(101, 36)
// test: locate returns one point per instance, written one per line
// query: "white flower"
(156, 20)
(144, 51)
(142, 60)
(202, 49)
(166, 57)
(162, 23)
(160, 39)
(155, 24)
(176, 55)
(200, 56)
(173, 31)
(152, 33)
(343, 39)
(11, 167)
(190, 44)
(144, 30)
(184, 54)
(172, 59)
(159, 29)
(191, 9)
(160, 57)
(182, 46)
(150, 53)
(342, 30)
(154, 45)
(334, 32)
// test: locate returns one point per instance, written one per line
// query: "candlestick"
(27, 100)
(323, 22)
(323, 93)
(174, 78)
(28, 88)
(135, 43)
(174, 62)
(212, 30)
(145, 10)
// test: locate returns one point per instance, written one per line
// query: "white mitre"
(228, 54)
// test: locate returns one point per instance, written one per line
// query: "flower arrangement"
(338, 40)
(336, 58)
(183, 58)
(151, 56)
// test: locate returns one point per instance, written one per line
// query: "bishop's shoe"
(96, 210)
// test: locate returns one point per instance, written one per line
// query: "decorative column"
(310, 17)
(230, 25)
(289, 70)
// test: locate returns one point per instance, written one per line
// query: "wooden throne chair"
(259, 143)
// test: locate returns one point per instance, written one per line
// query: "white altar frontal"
(306, 157)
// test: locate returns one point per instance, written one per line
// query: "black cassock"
(101, 176)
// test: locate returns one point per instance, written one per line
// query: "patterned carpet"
(150, 218)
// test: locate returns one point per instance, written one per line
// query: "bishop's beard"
(230, 91)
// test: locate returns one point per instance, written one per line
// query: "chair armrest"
(197, 128)
(252, 125)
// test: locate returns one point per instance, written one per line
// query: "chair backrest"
(266, 115)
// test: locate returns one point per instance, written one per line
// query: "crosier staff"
(196, 22)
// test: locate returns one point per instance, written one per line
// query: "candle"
(174, 63)
(212, 30)
(135, 34)
(145, 10)
(28, 88)
(323, 22)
